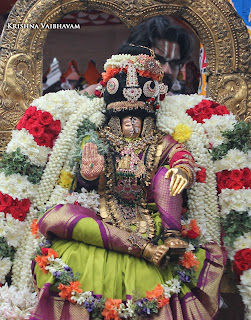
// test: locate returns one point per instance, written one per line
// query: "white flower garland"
(245, 291)
(85, 199)
(234, 159)
(63, 145)
(11, 229)
(239, 200)
(16, 304)
(59, 104)
(17, 186)
(5, 266)
(22, 139)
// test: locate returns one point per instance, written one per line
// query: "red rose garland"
(17, 208)
(205, 109)
(242, 261)
(40, 125)
(235, 179)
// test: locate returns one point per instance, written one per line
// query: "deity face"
(168, 54)
(131, 127)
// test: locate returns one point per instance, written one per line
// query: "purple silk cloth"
(60, 221)
(63, 225)
(170, 208)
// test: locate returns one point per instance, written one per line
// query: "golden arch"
(222, 32)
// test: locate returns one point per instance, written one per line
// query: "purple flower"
(57, 274)
(89, 305)
(69, 270)
(183, 277)
(143, 308)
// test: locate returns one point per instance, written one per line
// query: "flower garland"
(31, 143)
(23, 163)
(16, 304)
(229, 143)
(69, 286)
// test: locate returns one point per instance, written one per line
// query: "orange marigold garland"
(189, 260)
(111, 309)
(35, 228)
(67, 290)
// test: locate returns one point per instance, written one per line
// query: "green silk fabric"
(110, 274)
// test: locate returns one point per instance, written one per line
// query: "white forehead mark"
(166, 48)
(173, 47)
(173, 51)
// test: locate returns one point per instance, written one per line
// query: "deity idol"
(128, 256)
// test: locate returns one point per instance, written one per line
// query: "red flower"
(238, 256)
(242, 261)
(198, 109)
(36, 130)
(225, 174)
(17, 213)
(236, 175)
(30, 111)
(236, 185)
(98, 94)
(4, 209)
(5, 200)
(21, 123)
(208, 103)
(25, 205)
(45, 118)
(221, 110)
(201, 175)
(103, 83)
(55, 126)
(45, 140)
(207, 113)
(190, 112)
(247, 184)
(246, 174)
(192, 234)
(30, 122)
(243, 255)
(246, 254)
(205, 109)
(240, 266)
(44, 251)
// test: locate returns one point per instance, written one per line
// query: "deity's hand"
(176, 245)
(179, 180)
(155, 254)
(92, 162)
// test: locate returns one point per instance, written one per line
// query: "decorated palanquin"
(96, 210)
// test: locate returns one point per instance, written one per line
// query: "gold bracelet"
(148, 251)
(186, 170)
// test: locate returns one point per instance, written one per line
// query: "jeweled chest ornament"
(130, 164)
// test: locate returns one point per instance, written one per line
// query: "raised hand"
(92, 162)
(179, 180)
